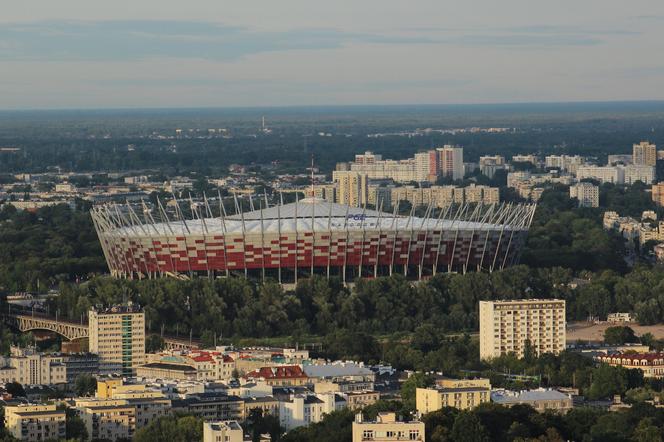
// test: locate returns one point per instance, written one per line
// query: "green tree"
(85, 385)
(409, 387)
(172, 429)
(468, 428)
(619, 335)
(75, 427)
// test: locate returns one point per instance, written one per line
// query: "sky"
(220, 53)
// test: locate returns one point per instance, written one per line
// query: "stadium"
(286, 242)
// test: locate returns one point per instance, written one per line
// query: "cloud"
(133, 40)
(126, 40)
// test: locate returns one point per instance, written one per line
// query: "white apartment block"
(603, 174)
(586, 193)
(306, 409)
(634, 173)
(507, 326)
(564, 162)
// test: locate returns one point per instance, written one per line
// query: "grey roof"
(512, 397)
(336, 370)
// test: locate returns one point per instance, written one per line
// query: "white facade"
(634, 173)
(308, 409)
(586, 193)
(603, 174)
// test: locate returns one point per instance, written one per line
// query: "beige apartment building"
(644, 154)
(117, 335)
(35, 422)
(507, 326)
(463, 394)
(386, 428)
(658, 193)
(352, 187)
(30, 367)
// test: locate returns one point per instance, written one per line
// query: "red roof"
(637, 356)
(281, 372)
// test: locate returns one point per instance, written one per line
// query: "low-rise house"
(286, 375)
(651, 364)
(541, 399)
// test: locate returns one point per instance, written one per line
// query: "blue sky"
(149, 53)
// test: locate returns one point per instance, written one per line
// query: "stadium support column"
(343, 271)
(410, 239)
(281, 202)
(180, 214)
(238, 207)
(164, 218)
(487, 222)
(364, 234)
(521, 214)
(296, 233)
(508, 213)
(201, 218)
(262, 244)
(380, 234)
(441, 216)
(424, 245)
(313, 231)
(457, 219)
(394, 237)
(222, 214)
(329, 240)
(473, 219)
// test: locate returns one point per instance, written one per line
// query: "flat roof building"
(117, 335)
(461, 394)
(386, 428)
(35, 422)
(222, 431)
(508, 326)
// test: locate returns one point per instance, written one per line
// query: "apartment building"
(489, 165)
(280, 376)
(451, 161)
(508, 326)
(305, 409)
(117, 335)
(463, 394)
(586, 193)
(532, 159)
(386, 428)
(635, 172)
(443, 196)
(658, 193)
(644, 153)
(564, 163)
(222, 431)
(603, 174)
(35, 422)
(30, 367)
(351, 187)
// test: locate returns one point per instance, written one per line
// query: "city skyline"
(153, 55)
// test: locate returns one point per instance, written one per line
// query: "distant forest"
(99, 140)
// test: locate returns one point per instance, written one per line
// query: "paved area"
(586, 331)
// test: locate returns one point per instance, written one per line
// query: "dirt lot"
(595, 332)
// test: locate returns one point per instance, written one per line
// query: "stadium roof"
(313, 214)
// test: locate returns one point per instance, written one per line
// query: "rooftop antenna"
(312, 176)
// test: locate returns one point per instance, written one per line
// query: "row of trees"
(448, 302)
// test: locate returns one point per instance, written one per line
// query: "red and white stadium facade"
(312, 236)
